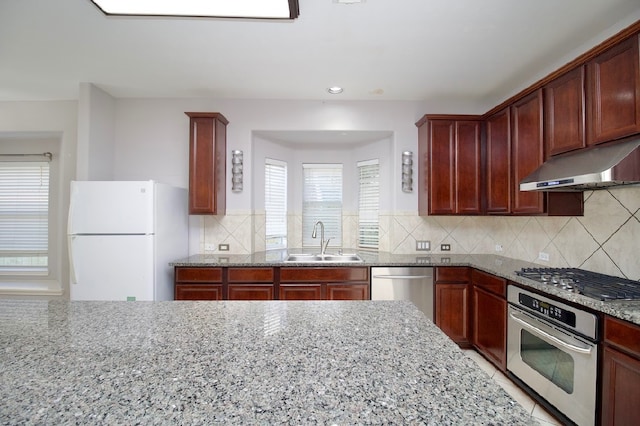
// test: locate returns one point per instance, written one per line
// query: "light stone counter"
(497, 265)
(207, 363)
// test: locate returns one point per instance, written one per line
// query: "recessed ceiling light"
(272, 9)
(334, 90)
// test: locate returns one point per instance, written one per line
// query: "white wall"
(152, 135)
(96, 116)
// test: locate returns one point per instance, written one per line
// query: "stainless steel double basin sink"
(324, 258)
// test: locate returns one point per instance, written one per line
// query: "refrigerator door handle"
(72, 265)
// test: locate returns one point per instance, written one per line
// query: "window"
(275, 203)
(368, 203)
(24, 217)
(322, 200)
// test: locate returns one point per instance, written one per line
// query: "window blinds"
(368, 203)
(322, 200)
(275, 203)
(24, 216)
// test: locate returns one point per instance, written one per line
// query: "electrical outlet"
(543, 256)
(223, 247)
(209, 247)
(423, 245)
(498, 247)
(445, 247)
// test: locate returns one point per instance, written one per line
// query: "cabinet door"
(300, 292)
(489, 326)
(207, 163)
(198, 292)
(613, 93)
(564, 113)
(441, 169)
(526, 143)
(250, 292)
(468, 168)
(348, 292)
(452, 311)
(499, 162)
(621, 388)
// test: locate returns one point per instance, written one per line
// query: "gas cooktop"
(590, 284)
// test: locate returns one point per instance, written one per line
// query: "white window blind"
(24, 217)
(322, 200)
(368, 203)
(275, 203)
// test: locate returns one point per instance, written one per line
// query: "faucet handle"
(326, 244)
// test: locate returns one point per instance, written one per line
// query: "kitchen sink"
(323, 258)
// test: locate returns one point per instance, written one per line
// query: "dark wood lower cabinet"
(620, 373)
(489, 326)
(300, 292)
(621, 388)
(267, 283)
(348, 291)
(250, 292)
(453, 303)
(452, 312)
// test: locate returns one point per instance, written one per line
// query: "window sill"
(31, 288)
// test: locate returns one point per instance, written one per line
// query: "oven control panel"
(571, 318)
(548, 309)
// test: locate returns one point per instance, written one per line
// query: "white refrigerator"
(122, 236)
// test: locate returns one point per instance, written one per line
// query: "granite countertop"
(275, 362)
(497, 265)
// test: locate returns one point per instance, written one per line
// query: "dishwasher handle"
(402, 277)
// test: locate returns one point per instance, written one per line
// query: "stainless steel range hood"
(595, 168)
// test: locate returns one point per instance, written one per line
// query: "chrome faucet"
(314, 234)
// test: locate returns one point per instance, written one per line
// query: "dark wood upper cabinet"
(449, 165)
(468, 167)
(613, 93)
(207, 163)
(527, 151)
(498, 168)
(564, 113)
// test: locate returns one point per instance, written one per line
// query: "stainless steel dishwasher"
(404, 283)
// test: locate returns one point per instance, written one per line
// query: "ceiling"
(419, 50)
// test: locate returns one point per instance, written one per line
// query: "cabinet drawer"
(323, 274)
(622, 334)
(194, 275)
(489, 282)
(452, 274)
(198, 292)
(250, 275)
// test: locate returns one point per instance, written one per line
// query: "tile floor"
(538, 412)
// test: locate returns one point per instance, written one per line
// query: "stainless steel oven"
(552, 348)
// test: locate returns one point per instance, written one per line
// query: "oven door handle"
(554, 339)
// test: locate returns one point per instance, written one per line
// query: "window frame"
(315, 208)
(368, 204)
(270, 185)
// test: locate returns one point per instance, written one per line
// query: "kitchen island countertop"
(274, 362)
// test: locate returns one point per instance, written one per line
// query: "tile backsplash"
(606, 239)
